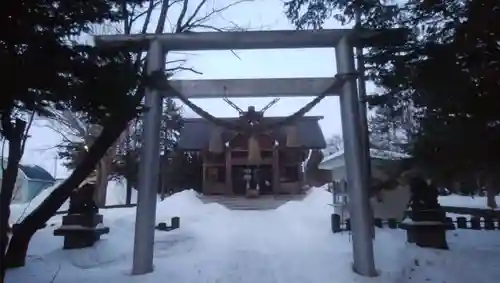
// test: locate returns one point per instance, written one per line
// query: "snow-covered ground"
(290, 244)
(116, 194)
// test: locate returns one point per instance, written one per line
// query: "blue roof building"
(31, 180)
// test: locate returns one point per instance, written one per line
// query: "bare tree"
(191, 16)
(14, 130)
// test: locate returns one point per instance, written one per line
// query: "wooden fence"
(480, 212)
(474, 223)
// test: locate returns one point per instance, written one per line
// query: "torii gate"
(343, 40)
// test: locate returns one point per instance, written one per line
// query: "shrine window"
(216, 174)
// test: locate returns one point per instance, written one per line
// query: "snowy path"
(253, 251)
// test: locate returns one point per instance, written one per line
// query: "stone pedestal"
(427, 233)
(81, 230)
(175, 224)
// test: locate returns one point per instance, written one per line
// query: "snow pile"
(317, 202)
(292, 244)
(474, 256)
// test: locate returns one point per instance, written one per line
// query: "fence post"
(348, 224)
(335, 223)
(392, 223)
(475, 223)
(461, 222)
(449, 221)
(175, 222)
(489, 223)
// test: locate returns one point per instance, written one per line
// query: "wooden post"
(204, 183)
(229, 175)
(336, 223)
(301, 177)
(276, 170)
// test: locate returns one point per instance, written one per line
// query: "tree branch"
(193, 21)
(149, 12)
(178, 26)
(181, 68)
(26, 131)
(3, 153)
(162, 17)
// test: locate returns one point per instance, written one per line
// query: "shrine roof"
(196, 133)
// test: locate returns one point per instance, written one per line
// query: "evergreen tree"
(173, 163)
(46, 67)
(447, 68)
(390, 131)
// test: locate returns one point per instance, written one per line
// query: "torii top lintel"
(272, 39)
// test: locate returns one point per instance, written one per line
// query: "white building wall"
(389, 204)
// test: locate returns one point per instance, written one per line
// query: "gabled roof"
(35, 172)
(196, 133)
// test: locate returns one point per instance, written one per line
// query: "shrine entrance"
(238, 178)
(343, 84)
(251, 176)
(266, 179)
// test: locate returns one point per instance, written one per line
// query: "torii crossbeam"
(343, 40)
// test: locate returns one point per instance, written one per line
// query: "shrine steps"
(243, 203)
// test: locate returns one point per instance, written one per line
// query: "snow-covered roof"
(327, 161)
(35, 172)
(32, 172)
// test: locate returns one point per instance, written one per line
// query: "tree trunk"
(128, 199)
(103, 170)
(102, 183)
(21, 235)
(14, 134)
(20, 244)
(490, 196)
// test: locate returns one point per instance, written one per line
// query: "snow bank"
(317, 202)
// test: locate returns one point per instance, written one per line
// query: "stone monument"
(82, 226)
(427, 227)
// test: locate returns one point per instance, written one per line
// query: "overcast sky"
(260, 14)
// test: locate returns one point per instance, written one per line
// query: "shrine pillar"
(229, 174)
(276, 170)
